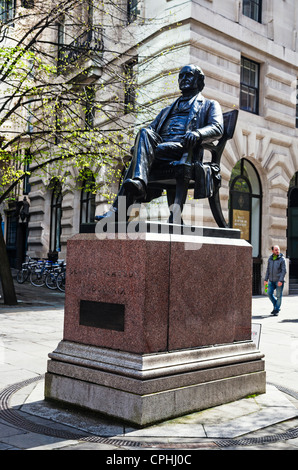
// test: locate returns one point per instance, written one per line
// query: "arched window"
(87, 204)
(56, 214)
(245, 205)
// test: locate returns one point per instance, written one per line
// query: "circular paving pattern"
(16, 418)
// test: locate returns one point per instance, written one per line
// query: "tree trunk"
(8, 289)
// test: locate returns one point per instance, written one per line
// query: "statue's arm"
(213, 128)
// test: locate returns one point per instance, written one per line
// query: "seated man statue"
(178, 129)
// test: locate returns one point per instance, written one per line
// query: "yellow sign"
(241, 222)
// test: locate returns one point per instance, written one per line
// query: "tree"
(68, 92)
(49, 82)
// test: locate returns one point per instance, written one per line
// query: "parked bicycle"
(23, 274)
(38, 273)
(61, 280)
(43, 272)
(53, 274)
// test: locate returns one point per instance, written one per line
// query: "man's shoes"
(135, 187)
(275, 312)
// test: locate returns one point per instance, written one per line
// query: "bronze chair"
(192, 173)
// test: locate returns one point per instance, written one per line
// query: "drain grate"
(16, 418)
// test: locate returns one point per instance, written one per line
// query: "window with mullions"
(27, 161)
(249, 86)
(11, 232)
(56, 215)
(245, 207)
(89, 106)
(7, 10)
(87, 205)
(129, 86)
(58, 120)
(61, 51)
(245, 203)
(30, 116)
(252, 9)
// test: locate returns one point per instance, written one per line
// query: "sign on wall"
(241, 220)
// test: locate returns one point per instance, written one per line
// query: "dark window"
(132, 10)
(129, 86)
(249, 86)
(292, 251)
(245, 207)
(56, 214)
(89, 106)
(245, 203)
(297, 103)
(253, 9)
(58, 120)
(90, 13)
(87, 206)
(7, 10)
(27, 186)
(60, 42)
(69, 52)
(27, 3)
(30, 116)
(11, 233)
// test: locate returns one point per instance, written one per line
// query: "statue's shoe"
(135, 187)
(113, 213)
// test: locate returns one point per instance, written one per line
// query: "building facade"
(248, 52)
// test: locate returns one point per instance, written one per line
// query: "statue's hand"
(191, 139)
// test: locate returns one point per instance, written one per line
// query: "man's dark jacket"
(276, 269)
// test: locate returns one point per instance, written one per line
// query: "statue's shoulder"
(205, 100)
(209, 103)
(166, 108)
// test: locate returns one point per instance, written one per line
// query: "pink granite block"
(127, 272)
(206, 306)
(174, 298)
(243, 294)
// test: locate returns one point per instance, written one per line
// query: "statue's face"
(188, 79)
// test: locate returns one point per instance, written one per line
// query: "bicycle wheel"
(22, 275)
(37, 278)
(50, 280)
(61, 282)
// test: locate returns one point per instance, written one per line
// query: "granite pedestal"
(156, 325)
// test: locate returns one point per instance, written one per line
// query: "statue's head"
(191, 79)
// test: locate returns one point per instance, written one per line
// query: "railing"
(87, 41)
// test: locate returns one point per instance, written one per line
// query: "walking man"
(274, 278)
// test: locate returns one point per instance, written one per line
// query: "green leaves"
(71, 118)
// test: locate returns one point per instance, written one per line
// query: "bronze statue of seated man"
(179, 128)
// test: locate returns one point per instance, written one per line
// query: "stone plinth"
(156, 326)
